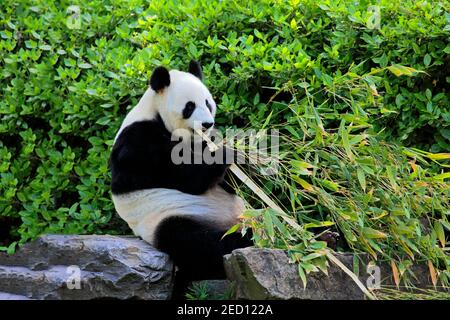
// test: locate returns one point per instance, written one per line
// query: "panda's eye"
(208, 105)
(188, 109)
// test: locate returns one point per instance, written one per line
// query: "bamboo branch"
(261, 194)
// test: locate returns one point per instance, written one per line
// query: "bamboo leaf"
(302, 275)
(330, 185)
(232, 230)
(361, 178)
(309, 267)
(355, 265)
(400, 70)
(305, 185)
(346, 144)
(313, 255)
(284, 231)
(442, 176)
(395, 273)
(268, 224)
(318, 224)
(267, 120)
(445, 224)
(373, 234)
(438, 228)
(438, 156)
(322, 264)
(432, 273)
(391, 173)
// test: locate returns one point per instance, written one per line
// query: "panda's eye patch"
(208, 105)
(188, 109)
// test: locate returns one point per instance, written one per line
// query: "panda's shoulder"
(144, 132)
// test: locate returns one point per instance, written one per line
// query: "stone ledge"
(117, 267)
(267, 274)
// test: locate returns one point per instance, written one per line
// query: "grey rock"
(268, 274)
(10, 296)
(114, 267)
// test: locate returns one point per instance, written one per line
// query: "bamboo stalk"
(354, 277)
(249, 183)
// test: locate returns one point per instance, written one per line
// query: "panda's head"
(185, 104)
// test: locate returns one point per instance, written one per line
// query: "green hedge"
(68, 79)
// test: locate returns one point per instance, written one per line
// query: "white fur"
(143, 210)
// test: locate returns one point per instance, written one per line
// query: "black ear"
(160, 79)
(196, 69)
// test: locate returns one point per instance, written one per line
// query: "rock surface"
(86, 267)
(267, 274)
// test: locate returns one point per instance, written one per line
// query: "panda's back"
(136, 155)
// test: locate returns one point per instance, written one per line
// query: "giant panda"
(181, 209)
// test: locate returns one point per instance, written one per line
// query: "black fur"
(208, 105)
(141, 159)
(228, 182)
(188, 109)
(196, 69)
(196, 248)
(160, 79)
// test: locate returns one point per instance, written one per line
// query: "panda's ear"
(160, 79)
(196, 69)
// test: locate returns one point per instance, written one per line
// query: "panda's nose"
(207, 125)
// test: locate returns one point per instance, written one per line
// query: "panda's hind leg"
(196, 248)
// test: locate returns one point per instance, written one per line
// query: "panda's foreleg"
(196, 248)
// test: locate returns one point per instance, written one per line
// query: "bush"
(70, 70)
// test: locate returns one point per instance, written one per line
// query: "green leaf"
(374, 234)
(346, 143)
(45, 47)
(267, 120)
(317, 245)
(309, 267)
(318, 224)
(233, 229)
(301, 167)
(313, 255)
(11, 248)
(427, 60)
(361, 178)
(392, 175)
(268, 224)
(356, 264)
(302, 275)
(400, 70)
(330, 185)
(294, 24)
(84, 65)
(446, 224)
(440, 232)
